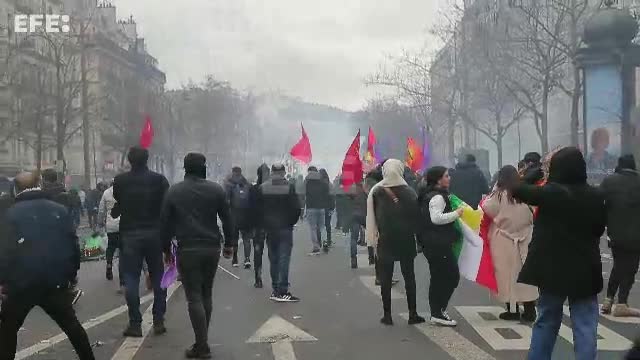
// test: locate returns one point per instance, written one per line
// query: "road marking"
(608, 340)
(490, 330)
(130, 346)
(370, 283)
(449, 340)
(280, 334)
(45, 344)
(511, 335)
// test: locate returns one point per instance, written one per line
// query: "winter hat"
(568, 167)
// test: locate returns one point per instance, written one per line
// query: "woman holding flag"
(509, 226)
(437, 238)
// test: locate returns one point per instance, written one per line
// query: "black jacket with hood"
(190, 212)
(564, 255)
(256, 214)
(318, 191)
(622, 198)
(56, 192)
(241, 217)
(278, 203)
(469, 183)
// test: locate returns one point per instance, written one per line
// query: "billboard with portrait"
(603, 119)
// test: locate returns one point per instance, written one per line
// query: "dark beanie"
(195, 164)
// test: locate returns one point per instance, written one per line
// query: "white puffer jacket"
(104, 212)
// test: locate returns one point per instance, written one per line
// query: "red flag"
(415, 157)
(302, 150)
(146, 135)
(352, 165)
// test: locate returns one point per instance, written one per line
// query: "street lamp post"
(608, 62)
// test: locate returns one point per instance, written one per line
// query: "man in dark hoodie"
(468, 182)
(622, 199)
(139, 194)
(280, 210)
(317, 202)
(39, 259)
(259, 233)
(190, 212)
(237, 189)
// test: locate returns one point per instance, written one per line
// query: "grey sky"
(318, 50)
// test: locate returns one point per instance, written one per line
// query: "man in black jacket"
(139, 194)
(190, 213)
(259, 234)
(279, 211)
(622, 199)
(317, 202)
(468, 182)
(39, 259)
(237, 190)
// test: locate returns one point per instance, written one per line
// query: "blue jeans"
(280, 244)
(584, 320)
(138, 247)
(315, 217)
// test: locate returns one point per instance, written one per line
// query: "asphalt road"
(336, 319)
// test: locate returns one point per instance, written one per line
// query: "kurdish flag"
(472, 248)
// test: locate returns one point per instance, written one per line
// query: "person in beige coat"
(510, 231)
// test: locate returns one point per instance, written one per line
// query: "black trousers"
(113, 244)
(57, 304)
(259, 237)
(246, 245)
(385, 267)
(445, 276)
(198, 270)
(623, 274)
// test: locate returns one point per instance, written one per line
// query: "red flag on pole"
(415, 157)
(352, 165)
(302, 150)
(146, 135)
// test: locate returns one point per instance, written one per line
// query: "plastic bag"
(171, 272)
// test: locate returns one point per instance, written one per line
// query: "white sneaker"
(443, 320)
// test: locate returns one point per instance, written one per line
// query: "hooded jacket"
(469, 183)
(190, 212)
(278, 203)
(57, 193)
(256, 216)
(564, 255)
(622, 198)
(40, 248)
(318, 192)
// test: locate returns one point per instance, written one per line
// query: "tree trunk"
(499, 150)
(60, 125)
(85, 114)
(544, 123)
(575, 107)
(451, 140)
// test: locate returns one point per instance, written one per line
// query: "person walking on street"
(509, 232)
(341, 199)
(317, 202)
(301, 192)
(437, 238)
(394, 206)
(237, 189)
(622, 199)
(54, 189)
(331, 206)
(190, 213)
(112, 228)
(564, 256)
(39, 260)
(139, 194)
(358, 199)
(468, 182)
(279, 211)
(92, 203)
(259, 233)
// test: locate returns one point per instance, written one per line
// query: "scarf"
(392, 172)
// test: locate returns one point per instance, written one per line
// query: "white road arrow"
(280, 334)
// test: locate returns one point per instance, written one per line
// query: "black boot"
(109, 272)
(354, 262)
(510, 316)
(529, 314)
(387, 319)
